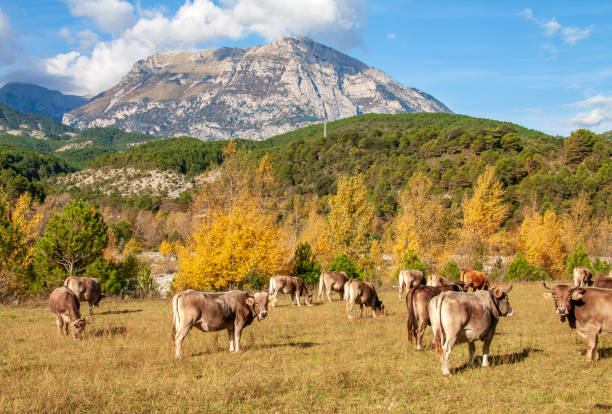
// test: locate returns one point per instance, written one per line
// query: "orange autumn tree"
(237, 234)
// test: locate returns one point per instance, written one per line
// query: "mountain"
(249, 93)
(30, 98)
(14, 122)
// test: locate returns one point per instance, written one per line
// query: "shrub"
(578, 257)
(255, 280)
(305, 265)
(451, 270)
(342, 263)
(520, 269)
(132, 248)
(411, 260)
(601, 266)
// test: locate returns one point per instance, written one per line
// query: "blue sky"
(546, 65)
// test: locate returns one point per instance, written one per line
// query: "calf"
(467, 317)
(209, 312)
(64, 304)
(292, 285)
(362, 293)
(582, 276)
(333, 281)
(409, 278)
(417, 302)
(478, 280)
(603, 281)
(85, 288)
(587, 310)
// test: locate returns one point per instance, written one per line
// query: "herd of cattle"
(455, 314)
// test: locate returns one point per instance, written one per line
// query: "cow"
(86, 288)
(409, 278)
(292, 285)
(64, 304)
(458, 317)
(437, 280)
(417, 301)
(603, 281)
(587, 310)
(209, 312)
(478, 280)
(333, 281)
(362, 293)
(582, 276)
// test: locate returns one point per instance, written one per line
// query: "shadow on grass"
(115, 330)
(607, 407)
(504, 359)
(291, 344)
(603, 352)
(119, 312)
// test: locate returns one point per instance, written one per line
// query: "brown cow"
(362, 293)
(478, 280)
(417, 302)
(603, 281)
(292, 285)
(582, 276)
(409, 278)
(588, 311)
(85, 288)
(209, 312)
(458, 317)
(64, 304)
(333, 281)
(437, 280)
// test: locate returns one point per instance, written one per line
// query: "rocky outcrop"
(249, 93)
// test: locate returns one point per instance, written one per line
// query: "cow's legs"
(237, 333)
(328, 290)
(230, 336)
(60, 325)
(178, 339)
(485, 351)
(472, 349)
(275, 299)
(401, 289)
(446, 353)
(349, 307)
(297, 299)
(591, 341)
(90, 308)
(419, 335)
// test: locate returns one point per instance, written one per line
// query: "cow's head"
(308, 299)
(502, 301)
(564, 296)
(258, 304)
(77, 328)
(379, 307)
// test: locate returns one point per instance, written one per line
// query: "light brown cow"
(333, 281)
(292, 285)
(437, 280)
(209, 312)
(86, 288)
(417, 302)
(588, 311)
(409, 278)
(64, 304)
(582, 276)
(362, 293)
(458, 317)
(603, 281)
(478, 280)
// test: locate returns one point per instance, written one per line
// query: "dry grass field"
(308, 359)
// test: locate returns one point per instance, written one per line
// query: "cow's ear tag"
(576, 295)
(547, 295)
(250, 301)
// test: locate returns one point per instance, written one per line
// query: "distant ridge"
(34, 99)
(251, 93)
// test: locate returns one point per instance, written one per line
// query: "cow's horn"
(544, 283)
(509, 289)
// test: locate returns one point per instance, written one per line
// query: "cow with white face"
(458, 317)
(209, 312)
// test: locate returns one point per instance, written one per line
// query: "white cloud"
(111, 16)
(197, 23)
(391, 36)
(8, 40)
(600, 113)
(66, 34)
(551, 27)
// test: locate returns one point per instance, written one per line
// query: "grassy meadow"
(308, 359)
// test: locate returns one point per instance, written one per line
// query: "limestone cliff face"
(249, 93)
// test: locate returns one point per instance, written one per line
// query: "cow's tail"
(462, 278)
(439, 332)
(176, 317)
(321, 285)
(411, 324)
(272, 286)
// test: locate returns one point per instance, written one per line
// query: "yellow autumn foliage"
(165, 248)
(541, 241)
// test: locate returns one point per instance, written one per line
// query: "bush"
(305, 265)
(132, 247)
(131, 276)
(577, 258)
(601, 266)
(410, 260)
(520, 269)
(342, 263)
(451, 271)
(255, 280)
